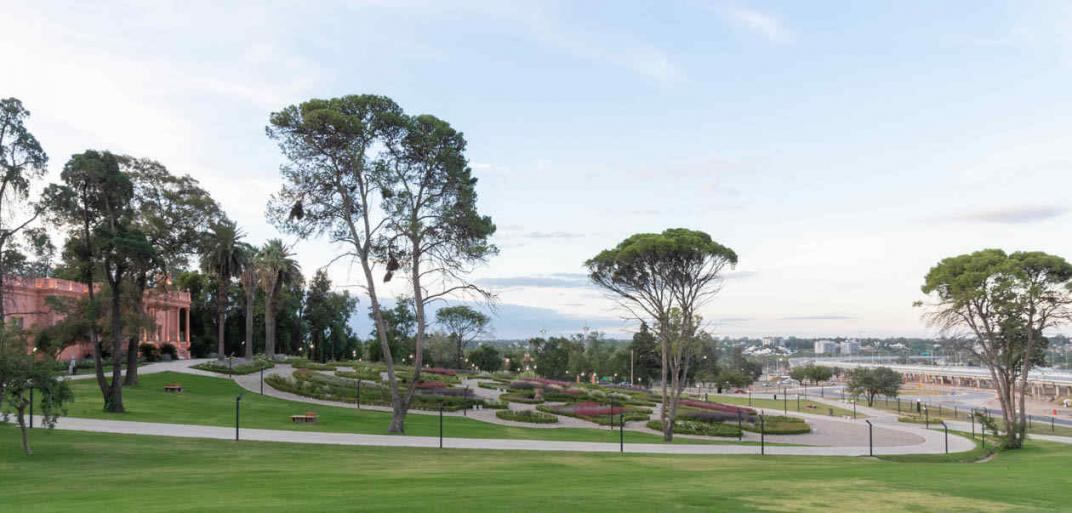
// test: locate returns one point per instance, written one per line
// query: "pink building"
(25, 300)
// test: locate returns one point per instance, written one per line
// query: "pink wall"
(25, 299)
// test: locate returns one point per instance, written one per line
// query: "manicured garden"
(89, 472)
(210, 401)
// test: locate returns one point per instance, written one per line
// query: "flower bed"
(534, 417)
(779, 425)
(687, 427)
(428, 385)
(245, 367)
(545, 381)
(728, 408)
(596, 412)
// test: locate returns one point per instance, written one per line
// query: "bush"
(779, 425)
(686, 427)
(249, 367)
(170, 350)
(149, 352)
(533, 417)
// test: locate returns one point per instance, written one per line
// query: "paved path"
(310, 437)
(831, 436)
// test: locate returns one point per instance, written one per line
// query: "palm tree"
(275, 267)
(248, 279)
(222, 257)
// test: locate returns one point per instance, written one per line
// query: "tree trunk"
(3, 311)
(250, 298)
(115, 404)
(25, 432)
(668, 427)
(131, 377)
(221, 323)
(269, 326)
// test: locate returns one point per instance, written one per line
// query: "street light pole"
(358, 399)
(762, 435)
(946, 427)
(440, 425)
(237, 413)
(785, 401)
(740, 431)
(262, 380)
(31, 405)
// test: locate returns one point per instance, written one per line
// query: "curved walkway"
(831, 436)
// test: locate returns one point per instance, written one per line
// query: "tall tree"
(96, 198)
(871, 382)
(174, 213)
(275, 269)
(464, 325)
(664, 278)
(221, 257)
(433, 226)
(997, 306)
(334, 152)
(21, 162)
(250, 284)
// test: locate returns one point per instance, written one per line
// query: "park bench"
(308, 418)
(174, 387)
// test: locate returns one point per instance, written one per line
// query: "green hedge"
(243, 368)
(534, 417)
(691, 427)
(779, 425)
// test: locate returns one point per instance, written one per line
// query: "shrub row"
(688, 427)
(243, 368)
(534, 417)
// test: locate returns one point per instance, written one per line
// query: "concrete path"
(832, 436)
(309, 437)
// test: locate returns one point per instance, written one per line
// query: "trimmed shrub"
(249, 367)
(686, 427)
(534, 417)
(149, 352)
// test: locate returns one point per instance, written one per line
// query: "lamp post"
(262, 380)
(465, 408)
(926, 418)
(440, 425)
(798, 403)
(358, 398)
(973, 422)
(30, 384)
(785, 401)
(946, 428)
(762, 436)
(237, 414)
(870, 438)
(621, 432)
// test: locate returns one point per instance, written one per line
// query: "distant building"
(850, 347)
(26, 303)
(826, 347)
(772, 342)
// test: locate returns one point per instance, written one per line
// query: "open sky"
(840, 148)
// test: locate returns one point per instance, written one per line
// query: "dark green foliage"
(18, 374)
(870, 382)
(486, 358)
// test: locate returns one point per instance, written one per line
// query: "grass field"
(211, 401)
(91, 472)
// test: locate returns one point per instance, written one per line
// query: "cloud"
(1014, 214)
(831, 317)
(761, 23)
(555, 280)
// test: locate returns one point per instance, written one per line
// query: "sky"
(841, 149)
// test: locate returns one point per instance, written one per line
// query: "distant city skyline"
(841, 151)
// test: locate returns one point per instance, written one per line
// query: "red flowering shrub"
(427, 385)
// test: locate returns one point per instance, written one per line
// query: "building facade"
(26, 301)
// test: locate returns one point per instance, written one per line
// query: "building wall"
(26, 300)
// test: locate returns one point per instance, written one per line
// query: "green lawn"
(210, 401)
(118, 473)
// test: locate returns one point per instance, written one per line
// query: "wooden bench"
(173, 388)
(308, 418)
